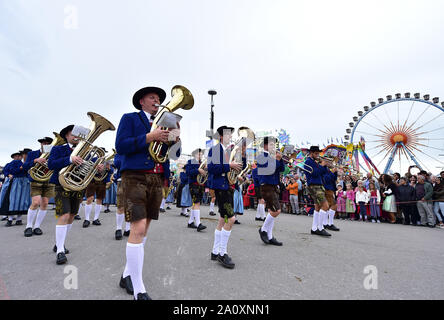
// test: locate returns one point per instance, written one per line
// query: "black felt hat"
(314, 149)
(45, 139)
(221, 130)
(16, 154)
(266, 140)
(65, 131)
(144, 91)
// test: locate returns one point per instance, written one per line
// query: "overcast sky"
(305, 66)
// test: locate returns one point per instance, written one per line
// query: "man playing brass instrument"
(41, 192)
(142, 179)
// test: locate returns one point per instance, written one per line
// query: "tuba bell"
(181, 99)
(40, 172)
(105, 172)
(244, 134)
(77, 177)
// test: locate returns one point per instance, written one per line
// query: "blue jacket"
(183, 178)
(266, 174)
(330, 180)
(131, 143)
(30, 161)
(192, 170)
(218, 167)
(59, 158)
(318, 172)
(6, 171)
(255, 177)
(16, 169)
(117, 164)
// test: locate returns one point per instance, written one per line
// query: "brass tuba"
(236, 152)
(77, 178)
(105, 172)
(202, 178)
(181, 99)
(40, 172)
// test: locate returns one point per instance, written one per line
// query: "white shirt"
(361, 196)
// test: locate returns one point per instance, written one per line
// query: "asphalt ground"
(404, 262)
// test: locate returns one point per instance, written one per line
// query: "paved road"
(409, 261)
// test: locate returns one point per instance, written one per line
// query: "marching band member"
(269, 170)
(218, 167)
(317, 191)
(260, 212)
(329, 179)
(142, 179)
(111, 189)
(183, 180)
(67, 202)
(192, 170)
(41, 192)
(238, 201)
(97, 188)
(212, 199)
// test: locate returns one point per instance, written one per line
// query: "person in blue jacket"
(218, 167)
(260, 211)
(192, 170)
(41, 192)
(269, 167)
(329, 180)
(316, 189)
(142, 178)
(183, 181)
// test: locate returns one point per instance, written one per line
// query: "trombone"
(290, 158)
(331, 163)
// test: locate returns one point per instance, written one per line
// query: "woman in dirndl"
(389, 205)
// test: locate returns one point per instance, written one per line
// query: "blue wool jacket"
(318, 172)
(16, 169)
(218, 167)
(30, 161)
(269, 169)
(6, 171)
(183, 178)
(192, 170)
(131, 144)
(330, 180)
(117, 164)
(59, 158)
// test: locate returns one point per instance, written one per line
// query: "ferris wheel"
(399, 132)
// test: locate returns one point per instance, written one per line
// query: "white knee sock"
(19, 217)
(325, 222)
(211, 206)
(197, 217)
(10, 218)
(191, 220)
(40, 216)
(263, 213)
(322, 215)
(30, 218)
(60, 237)
(184, 210)
(270, 228)
(119, 220)
(68, 228)
(162, 205)
(225, 235)
(134, 261)
(331, 217)
(127, 226)
(97, 211)
(258, 211)
(314, 225)
(268, 224)
(88, 208)
(216, 245)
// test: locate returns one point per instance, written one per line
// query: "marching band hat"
(221, 130)
(25, 151)
(16, 154)
(314, 149)
(198, 150)
(144, 91)
(266, 140)
(65, 131)
(45, 139)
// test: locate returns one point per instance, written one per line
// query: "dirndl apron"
(111, 194)
(186, 200)
(389, 204)
(20, 196)
(4, 196)
(238, 201)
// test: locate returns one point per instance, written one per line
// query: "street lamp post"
(212, 93)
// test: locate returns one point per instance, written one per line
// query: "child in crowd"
(361, 199)
(350, 207)
(375, 198)
(340, 202)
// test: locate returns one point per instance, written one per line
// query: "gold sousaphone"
(181, 99)
(244, 133)
(77, 177)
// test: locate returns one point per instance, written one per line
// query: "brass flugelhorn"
(102, 176)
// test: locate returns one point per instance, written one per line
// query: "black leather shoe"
(86, 223)
(8, 223)
(143, 296)
(236, 222)
(324, 233)
(264, 236)
(258, 219)
(162, 210)
(37, 231)
(28, 232)
(213, 256)
(168, 208)
(107, 210)
(97, 222)
(316, 232)
(212, 213)
(126, 233)
(226, 261)
(201, 227)
(332, 228)
(61, 258)
(118, 235)
(77, 217)
(192, 225)
(4, 218)
(55, 249)
(126, 283)
(18, 223)
(183, 214)
(273, 241)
